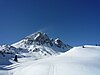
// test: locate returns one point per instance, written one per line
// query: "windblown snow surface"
(77, 61)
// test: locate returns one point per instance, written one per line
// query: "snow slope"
(77, 61)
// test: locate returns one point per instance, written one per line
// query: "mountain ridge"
(40, 38)
(37, 45)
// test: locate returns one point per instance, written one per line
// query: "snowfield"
(77, 61)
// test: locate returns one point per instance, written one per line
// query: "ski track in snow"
(51, 69)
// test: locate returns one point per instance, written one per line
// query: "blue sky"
(76, 22)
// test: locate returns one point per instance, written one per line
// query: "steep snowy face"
(59, 43)
(37, 38)
(40, 45)
(41, 39)
(37, 46)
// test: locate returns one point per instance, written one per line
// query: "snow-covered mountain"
(37, 45)
(40, 45)
(62, 61)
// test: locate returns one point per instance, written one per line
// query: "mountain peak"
(35, 34)
(41, 39)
